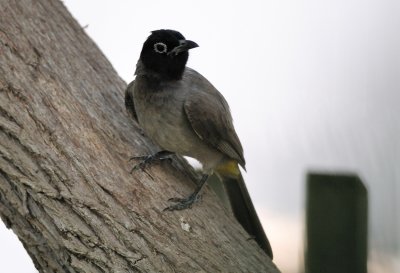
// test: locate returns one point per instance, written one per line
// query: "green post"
(336, 219)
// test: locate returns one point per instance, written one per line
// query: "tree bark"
(65, 186)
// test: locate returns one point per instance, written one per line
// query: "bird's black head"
(165, 52)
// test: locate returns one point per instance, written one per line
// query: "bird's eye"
(160, 47)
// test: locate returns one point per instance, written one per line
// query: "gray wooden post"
(336, 232)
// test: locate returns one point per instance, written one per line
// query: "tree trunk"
(65, 186)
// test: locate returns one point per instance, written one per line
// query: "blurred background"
(312, 85)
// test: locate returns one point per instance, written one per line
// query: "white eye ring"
(157, 47)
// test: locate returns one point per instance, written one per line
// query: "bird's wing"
(130, 107)
(209, 115)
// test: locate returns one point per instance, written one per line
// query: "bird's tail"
(242, 207)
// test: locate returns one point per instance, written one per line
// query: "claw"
(186, 203)
(147, 159)
(141, 157)
(176, 199)
(182, 203)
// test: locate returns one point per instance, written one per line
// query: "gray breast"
(160, 114)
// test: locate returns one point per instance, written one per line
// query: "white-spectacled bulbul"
(183, 113)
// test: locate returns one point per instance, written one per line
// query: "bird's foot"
(183, 203)
(148, 159)
(144, 160)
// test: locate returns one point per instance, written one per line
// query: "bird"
(184, 114)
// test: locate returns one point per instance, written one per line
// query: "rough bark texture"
(65, 187)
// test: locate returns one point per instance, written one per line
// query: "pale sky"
(312, 85)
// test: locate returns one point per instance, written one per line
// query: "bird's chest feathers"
(160, 114)
(158, 109)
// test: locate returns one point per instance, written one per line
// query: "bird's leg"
(147, 159)
(184, 203)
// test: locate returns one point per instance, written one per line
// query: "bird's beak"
(184, 45)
